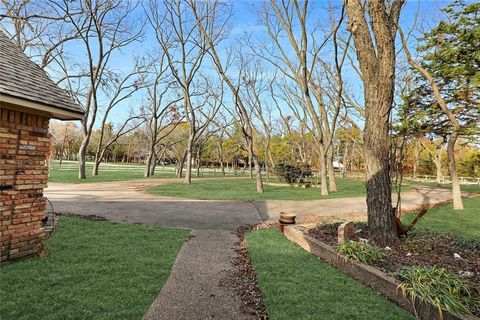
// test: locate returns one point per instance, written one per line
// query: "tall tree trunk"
(374, 25)
(96, 162)
(343, 169)
(258, 175)
(323, 171)
(148, 164)
(82, 153)
(250, 167)
(416, 158)
(151, 162)
(452, 168)
(153, 165)
(197, 158)
(332, 184)
(221, 157)
(437, 160)
(377, 165)
(267, 169)
(96, 165)
(222, 166)
(62, 148)
(150, 157)
(256, 164)
(188, 173)
(179, 172)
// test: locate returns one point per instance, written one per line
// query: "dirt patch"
(83, 216)
(242, 279)
(418, 249)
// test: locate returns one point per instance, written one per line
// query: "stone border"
(369, 276)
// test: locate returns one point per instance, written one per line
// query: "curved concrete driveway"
(127, 201)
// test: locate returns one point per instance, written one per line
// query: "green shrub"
(461, 242)
(292, 173)
(361, 252)
(439, 286)
(467, 243)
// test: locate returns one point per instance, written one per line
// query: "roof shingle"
(20, 77)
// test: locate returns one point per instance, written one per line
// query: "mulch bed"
(418, 249)
(242, 279)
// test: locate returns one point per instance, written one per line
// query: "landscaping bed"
(418, 249)
(295, 284)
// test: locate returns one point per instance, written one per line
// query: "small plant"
(418, 246)
(361, 252)
(461, 242)
(361, 225)
(332, 226)
(467, 243)
(439, 286)
(292, 173)
(45, 251)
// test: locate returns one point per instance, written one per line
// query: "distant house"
(28, 100)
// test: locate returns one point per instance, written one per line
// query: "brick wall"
(24, 147)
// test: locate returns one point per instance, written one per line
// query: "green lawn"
(244, 189)
(96, 270)
(71, 176)
(474, 188)
(443, 219)
(297, 285)
(69, 173)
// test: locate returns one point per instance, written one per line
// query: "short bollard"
(286, 219)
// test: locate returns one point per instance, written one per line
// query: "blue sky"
(244, 20)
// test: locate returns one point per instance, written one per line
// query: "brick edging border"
(369, 276)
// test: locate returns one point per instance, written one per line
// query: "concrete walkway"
(193, 290)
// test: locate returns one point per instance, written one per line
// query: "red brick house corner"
(28, 100)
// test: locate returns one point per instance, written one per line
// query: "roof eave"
(50, 111)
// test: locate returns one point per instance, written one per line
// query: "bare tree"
(103, 28)
(288, 20)
(333, 89)
(185, 48)
(161, 115)
(374, 38)
(222, 122)
(435, 154)
(37, 28)
(121, 90)
(297, 141)
(212, 33)
(256, 85)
